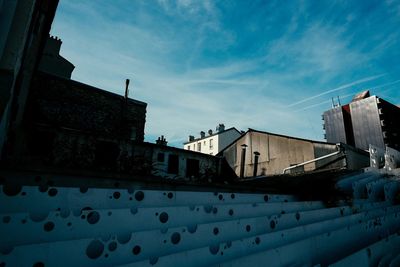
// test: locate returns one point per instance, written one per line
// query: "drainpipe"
(313, 160)
(256, 156)
(242, 160)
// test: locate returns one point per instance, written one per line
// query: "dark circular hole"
(297, 216)
(38, 264)
(153, 260)
(69, 224)
(215, 193)
(23, 194)
(136, 250)
(266, 198)
(216, 231)
(214, 249)
(232, 196)
(49, 226)
(12, 189)
(192, 228)
(83, 189)
(230, 212)
(6, 219)
(220, 197)
(215, 210)
(208, 208)
(112, 246)
(43, 188)
(175, 238)
(117, 195)
(163, 217)
(257, 240)
(52, 192)
(139, 195)
(124, 238)
(272, 224)
(248, 228)
(170, 195)
(93, 217)
(23, 221)
(95, 249)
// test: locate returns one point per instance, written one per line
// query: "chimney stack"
(220, 127)
(191, 138)
(202, 134)
(127, 88)
(210, 132)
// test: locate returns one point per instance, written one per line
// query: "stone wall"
(64, 103)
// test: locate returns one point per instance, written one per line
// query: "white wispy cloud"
(164, 58)
(345, 86)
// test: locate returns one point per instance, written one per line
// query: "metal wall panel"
(334, 126)
(366, 123)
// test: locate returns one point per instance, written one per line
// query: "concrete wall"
(276, 153)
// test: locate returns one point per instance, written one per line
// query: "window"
(205, 143)
(194, 147)
(133, 133)
(192, 168)
(173, 164)
(160, 157)
(199, 146)
(188, 147)
(211, 144)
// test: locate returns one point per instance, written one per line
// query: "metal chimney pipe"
(242, 160)
(126, 88)
(256, 156)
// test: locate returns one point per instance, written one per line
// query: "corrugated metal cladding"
(61, 226)
(366, 123)
(334, 126)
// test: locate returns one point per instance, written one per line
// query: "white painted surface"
(213, 144)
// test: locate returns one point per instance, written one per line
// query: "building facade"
(367, 120)
(212, 143)
(258, 153)
(24, 28)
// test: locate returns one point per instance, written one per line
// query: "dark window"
(106, 154)
(192, 168)
(173, 164)
(160, 157)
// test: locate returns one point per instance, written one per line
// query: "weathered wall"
(59, 102)
(276, 153)
(207, 165)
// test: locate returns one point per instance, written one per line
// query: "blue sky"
(267, 65)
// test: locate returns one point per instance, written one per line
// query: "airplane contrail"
(345, 96)
(337, 89)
